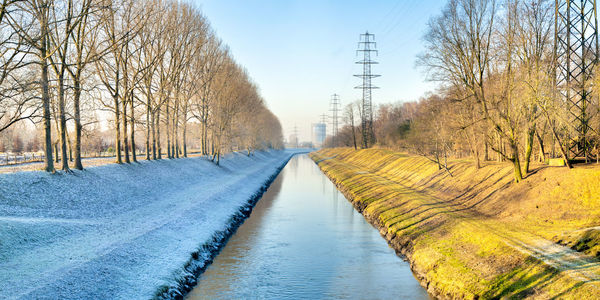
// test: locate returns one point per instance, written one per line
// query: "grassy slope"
(475, 233)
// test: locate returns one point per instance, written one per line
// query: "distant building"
(319, 132)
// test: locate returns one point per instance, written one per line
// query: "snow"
(123, 231)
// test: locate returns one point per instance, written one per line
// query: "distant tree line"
(497, 98)
(152, 69)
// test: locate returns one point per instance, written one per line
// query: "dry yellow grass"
(474, 233)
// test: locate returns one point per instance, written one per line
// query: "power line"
(390, 13)
(367, 45)
(399, 18)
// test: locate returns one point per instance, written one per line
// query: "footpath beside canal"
(124, 231)
(473, 233)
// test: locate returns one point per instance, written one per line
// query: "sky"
(300, 52)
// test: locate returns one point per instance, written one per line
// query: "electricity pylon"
(295, 135)
(324, 118)
(335, 109)
(575, 55)
(367, 45)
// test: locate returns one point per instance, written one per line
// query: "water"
(304, 240)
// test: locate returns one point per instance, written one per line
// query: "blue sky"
(300, 52)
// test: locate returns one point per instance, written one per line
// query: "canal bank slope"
(475, 234)
(124, 231)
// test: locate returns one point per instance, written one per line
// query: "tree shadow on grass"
(526, 280)
(522, 282)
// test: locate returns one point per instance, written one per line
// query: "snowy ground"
(119, 231)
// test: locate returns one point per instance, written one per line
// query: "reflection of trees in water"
(340, 203)
(335, 198)
(334, 191)
(267, 199)
(275, 187)
(316, 170)
(352, 213)
(238, 245)
(293, 164)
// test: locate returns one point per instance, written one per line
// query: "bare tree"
(31, 21)
(349, 115)
(161, 56)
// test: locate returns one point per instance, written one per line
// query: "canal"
(304, 240)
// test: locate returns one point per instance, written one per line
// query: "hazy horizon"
(310, 54)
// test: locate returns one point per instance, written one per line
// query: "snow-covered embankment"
(124, 231)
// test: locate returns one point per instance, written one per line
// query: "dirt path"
(577, 265)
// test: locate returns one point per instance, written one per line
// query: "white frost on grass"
(118, 231)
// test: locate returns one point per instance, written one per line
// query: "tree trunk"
(354, 137)
(78, 127)
(476, 154)
(202, 142)
(70, 146)
(557, 139)
(541, 144)
(184, 139)
(49, 164)
(157, 124)
(153, 118)
(117, 129)
(516, 162)
(168, 131)
(204, 138)
(56, 152)
(148, 125)
(353, 128)
(212, 147)
(176, 137)
(486, 156)
(133, 157)
(217, 150)
(62, 123)
(529, 147)
(125, 139)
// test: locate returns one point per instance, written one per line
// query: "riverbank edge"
(474, 234)
(402, 248)
(202, 258)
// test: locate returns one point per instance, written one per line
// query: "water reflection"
(304, 242)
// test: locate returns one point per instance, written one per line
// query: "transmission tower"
(324, 118)
(295, 136)
(576, 53)
(367, 45)
(335, 105)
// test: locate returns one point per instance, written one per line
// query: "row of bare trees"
(497, 100)
(146, 68)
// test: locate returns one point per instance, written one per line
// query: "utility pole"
(335, 105)
(324, 118)
(575, 55)
(295, 136)
(367, 45)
